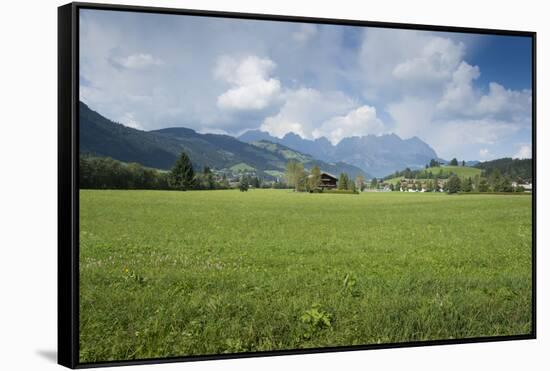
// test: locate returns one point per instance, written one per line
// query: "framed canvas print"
(235, 185)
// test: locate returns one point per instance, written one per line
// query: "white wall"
(28, 198)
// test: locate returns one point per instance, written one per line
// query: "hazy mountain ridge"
(376, 155)
(309, 161)
(160, 148)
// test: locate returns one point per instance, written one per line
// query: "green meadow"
(168, 273)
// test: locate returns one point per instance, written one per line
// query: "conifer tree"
(182, 176)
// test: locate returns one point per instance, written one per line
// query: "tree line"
(301, 180)
(108, 173)
(429, 171)
(495, 182)
(520, 170)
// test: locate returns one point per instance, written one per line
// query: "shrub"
(315, 319)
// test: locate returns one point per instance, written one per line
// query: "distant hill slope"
(220, 151)
(159, 149)
(103, 137)
(309, 161)
(513, 168)
(461, 171)
(376, 155)
(440, 171)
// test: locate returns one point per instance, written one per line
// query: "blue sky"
(468, 96)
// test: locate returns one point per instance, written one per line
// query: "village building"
(328, 181)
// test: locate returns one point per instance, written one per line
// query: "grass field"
(184, 273)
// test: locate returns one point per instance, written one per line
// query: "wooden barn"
(328, 181)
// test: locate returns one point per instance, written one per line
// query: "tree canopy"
(453, 184)
(343, 181)
(182, 176)
(314, 179)
(295, 174)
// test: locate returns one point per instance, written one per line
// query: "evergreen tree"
(506, 185)
(495, 180)
(453, 184)
(206, 179)
(351, 186)
(360, 182)
(256, 183)
(343, 181)
(467, 185)
(453, 162)
(374, 183)
(182, 176)
(483, 186)
(243, 184)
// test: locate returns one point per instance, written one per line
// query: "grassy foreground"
(185, 273)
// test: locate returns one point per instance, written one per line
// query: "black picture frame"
(68, 183)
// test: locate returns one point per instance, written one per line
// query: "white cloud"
(462, 136)
(525, 151)
(412, 115)
(304, 109)
(395, 63)
(305, 32)
(459, 94)
(358, 122)
(137, 61)
(462, 99)
(436, 61)
(430, 91)
(253, 88)
(505, 101)
(129, 119)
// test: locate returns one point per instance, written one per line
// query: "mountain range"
(159, 149)
(376, 155)
(367, 155)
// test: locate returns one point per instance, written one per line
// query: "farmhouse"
(328, 181)
(528, 187)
